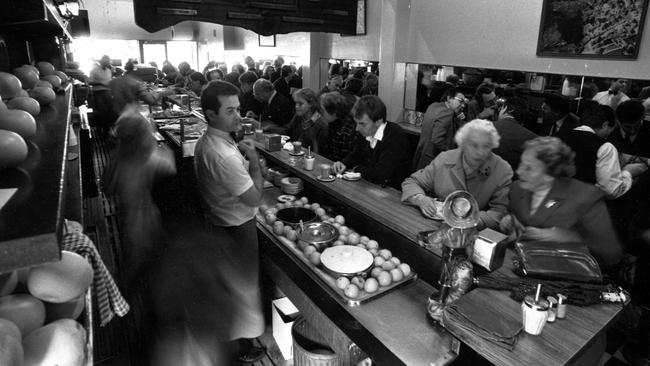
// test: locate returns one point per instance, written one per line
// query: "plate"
(331, 178)
(298, 154)
(286, 198)
(351, 177)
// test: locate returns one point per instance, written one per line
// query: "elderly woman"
(439, 125)
(471, 167)
(546, 204)
(307, 125)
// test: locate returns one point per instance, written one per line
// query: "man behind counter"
(380, 153)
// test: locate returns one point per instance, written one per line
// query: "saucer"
(298, 154)
(331, 178)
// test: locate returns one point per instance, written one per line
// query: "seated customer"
(381, 152)
(439, 125)
(513, 134)
(596, 159)
(342, 133)
(250, 107)
(546, 204)
(472, 167)
(277, 110)
(558, 119)
(483, 104)
(307, 126)
(633, 134)
(197, 83)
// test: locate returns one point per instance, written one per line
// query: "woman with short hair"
(472, 167)
(546, 204)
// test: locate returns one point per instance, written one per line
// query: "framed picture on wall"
(606, 29)
(267, 41)
(361, 20)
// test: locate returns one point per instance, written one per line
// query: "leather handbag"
(557, 261)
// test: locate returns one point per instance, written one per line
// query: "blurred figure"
(136, 165)
(238, 68)
(268, 72)
(231, 187)
(277, 67)
(250, 107)
(170, 73)
(558, 119)
(100, 97)
(127, 90)
(250, 62)
(101, 74)
(213, 74)
(370, 85)
(333, 84)
(341, 126)
(307, 125)
(184, 72)
(613, 96)
(159, 73)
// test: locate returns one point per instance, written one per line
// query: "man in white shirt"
(101, 74)
(596, 159)
(614, 95)
(231, 189)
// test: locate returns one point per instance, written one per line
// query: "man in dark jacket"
(381, 151)
(633, 134)
(277, 110)
(513, 134)
(558, 119)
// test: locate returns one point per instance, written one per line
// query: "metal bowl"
(293, 215)
(319, 234)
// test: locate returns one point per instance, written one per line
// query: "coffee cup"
(297, 147)
(248, 128)
(325, 170)
(534, 314)
(309, 162)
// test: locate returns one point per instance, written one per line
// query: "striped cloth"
(109, 298)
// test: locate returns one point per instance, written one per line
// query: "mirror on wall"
(346, 68)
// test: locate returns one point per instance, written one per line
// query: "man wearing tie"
(277, 110)
(556, 109)
(381, 151)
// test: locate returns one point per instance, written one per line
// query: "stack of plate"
(291, 185)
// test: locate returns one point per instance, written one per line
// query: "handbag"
(557, 261)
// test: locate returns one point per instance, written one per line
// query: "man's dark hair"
(215, 89)
(596, 114)
(129, 66)
(248, 77)
(631, 111)
(197, 76)
(238, 68)
(370, 105)
(450, 91)
(353, 86)
(335, 103)
(558, 104)
(517, 108)
(286, 70)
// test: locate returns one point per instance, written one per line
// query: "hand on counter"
(338, 167)
(427, 206)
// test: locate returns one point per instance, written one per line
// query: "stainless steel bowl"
(293, 215)
(319, 234)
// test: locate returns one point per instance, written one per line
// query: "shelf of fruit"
(387, 271)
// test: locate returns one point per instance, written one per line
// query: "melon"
(62, 75)
(61, 343)
(52, 79)
(8, 328)
(24, 310)
(45, 68)
(33, 68)
(26, 104)
(11, 351)
(22, 93)
(27, 76)
(44, 83)
(61, 281)
(67, 310)
(19, 121)
(13, 149)
(10, 85)
(44, 95)
(8, 282)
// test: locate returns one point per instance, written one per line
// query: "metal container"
(319, 234)
(332, 259)
(293, 215)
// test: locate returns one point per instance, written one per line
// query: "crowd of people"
(579, 178)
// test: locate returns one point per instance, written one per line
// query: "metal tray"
(330, 281)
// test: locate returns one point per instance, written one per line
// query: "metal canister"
(561, 306)
(534, 314)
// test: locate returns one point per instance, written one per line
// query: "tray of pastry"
(170, 113)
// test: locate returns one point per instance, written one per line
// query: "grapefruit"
(44, 95)
(28, 77)
(53, 79)
(19, 121)
(44, 83)
(26, 104)
(61, 343)
(13, 149)
(45, 68)
(61, 281)
(10, 85)
(24, 310)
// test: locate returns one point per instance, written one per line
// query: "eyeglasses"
(461, 100)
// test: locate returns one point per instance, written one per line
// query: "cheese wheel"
(24, 310)
(61, 343)
(61, 281)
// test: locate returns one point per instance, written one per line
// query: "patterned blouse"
(341, 139)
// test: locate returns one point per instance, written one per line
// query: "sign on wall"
(591, 28)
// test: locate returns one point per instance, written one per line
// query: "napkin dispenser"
(489, 249)
(272, 142)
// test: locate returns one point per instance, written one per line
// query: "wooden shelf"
(31, 222)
